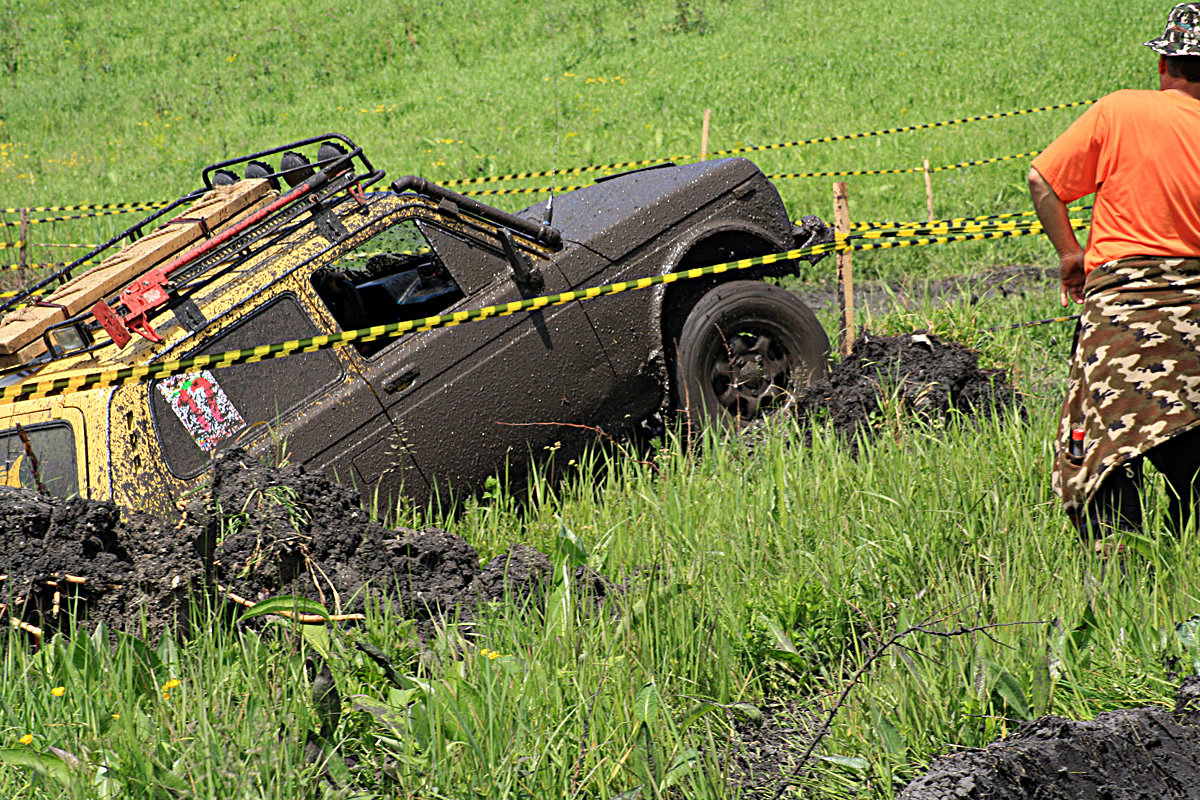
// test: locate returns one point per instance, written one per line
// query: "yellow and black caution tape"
(88, 207)
(567, 172)
(1033, 323)
(788, 175)
(963, 232)
(43, 220)
(45, 290)
(891, 225)
(533, 190)
(941, 229)
(19, 245)
(969, 235)
(48, 265)
(904, 129)
(115, 377)
(758, 148)
(902, 171)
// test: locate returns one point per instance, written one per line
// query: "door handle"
(405, 379)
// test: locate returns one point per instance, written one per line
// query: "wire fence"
(39, 240)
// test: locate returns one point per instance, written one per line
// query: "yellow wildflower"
(26, 739)
(58, 691)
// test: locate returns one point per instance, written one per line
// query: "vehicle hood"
(617, 214)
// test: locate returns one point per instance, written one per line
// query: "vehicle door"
(311, 408)
(471, 399)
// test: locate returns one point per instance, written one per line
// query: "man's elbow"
(1037, 184)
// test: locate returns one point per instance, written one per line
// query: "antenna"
(549, 221)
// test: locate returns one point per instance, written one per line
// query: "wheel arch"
(711, 246)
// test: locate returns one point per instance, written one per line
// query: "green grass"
(750, 577)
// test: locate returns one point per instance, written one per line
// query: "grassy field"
(755, 579)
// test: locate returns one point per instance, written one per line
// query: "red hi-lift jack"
(154, 288)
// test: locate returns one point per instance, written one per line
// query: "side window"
(48, 458)
(194, 414)
(392, 277)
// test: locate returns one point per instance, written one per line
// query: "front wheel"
(744, 349)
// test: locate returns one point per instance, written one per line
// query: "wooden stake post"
(23, 247)
(845, 272)
(929, 190)
(704, 136)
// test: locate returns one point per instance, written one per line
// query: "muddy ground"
(259, 532)
(886, 378)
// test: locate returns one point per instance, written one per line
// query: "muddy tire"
(743, 350)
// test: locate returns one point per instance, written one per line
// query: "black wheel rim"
(750, 371)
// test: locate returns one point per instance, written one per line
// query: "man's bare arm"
(1056, 221)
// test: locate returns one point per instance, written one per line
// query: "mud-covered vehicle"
(306, 244)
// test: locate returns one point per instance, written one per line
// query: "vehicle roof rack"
(340, 168)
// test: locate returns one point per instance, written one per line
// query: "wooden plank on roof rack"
(217, 208)
(24, 355)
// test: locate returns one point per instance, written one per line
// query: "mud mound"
(79, 558)
(916, 374)
(259, 532)
(1133, 754)
(289, 531)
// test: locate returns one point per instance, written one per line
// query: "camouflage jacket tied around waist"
(1135, 372)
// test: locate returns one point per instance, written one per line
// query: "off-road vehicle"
(303, 242)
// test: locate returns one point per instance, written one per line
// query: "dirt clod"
(916, 374)
(1131, 754)
(520, 574)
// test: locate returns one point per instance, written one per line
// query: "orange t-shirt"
(1139, 151)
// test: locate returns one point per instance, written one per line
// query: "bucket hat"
(1182, 36)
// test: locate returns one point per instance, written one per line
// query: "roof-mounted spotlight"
(261, 169)
(294, 168)
(224, 177)
(328, 153)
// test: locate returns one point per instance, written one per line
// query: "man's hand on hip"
(1052, 213)
(1071, 275)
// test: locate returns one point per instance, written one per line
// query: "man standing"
(1134, 388)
